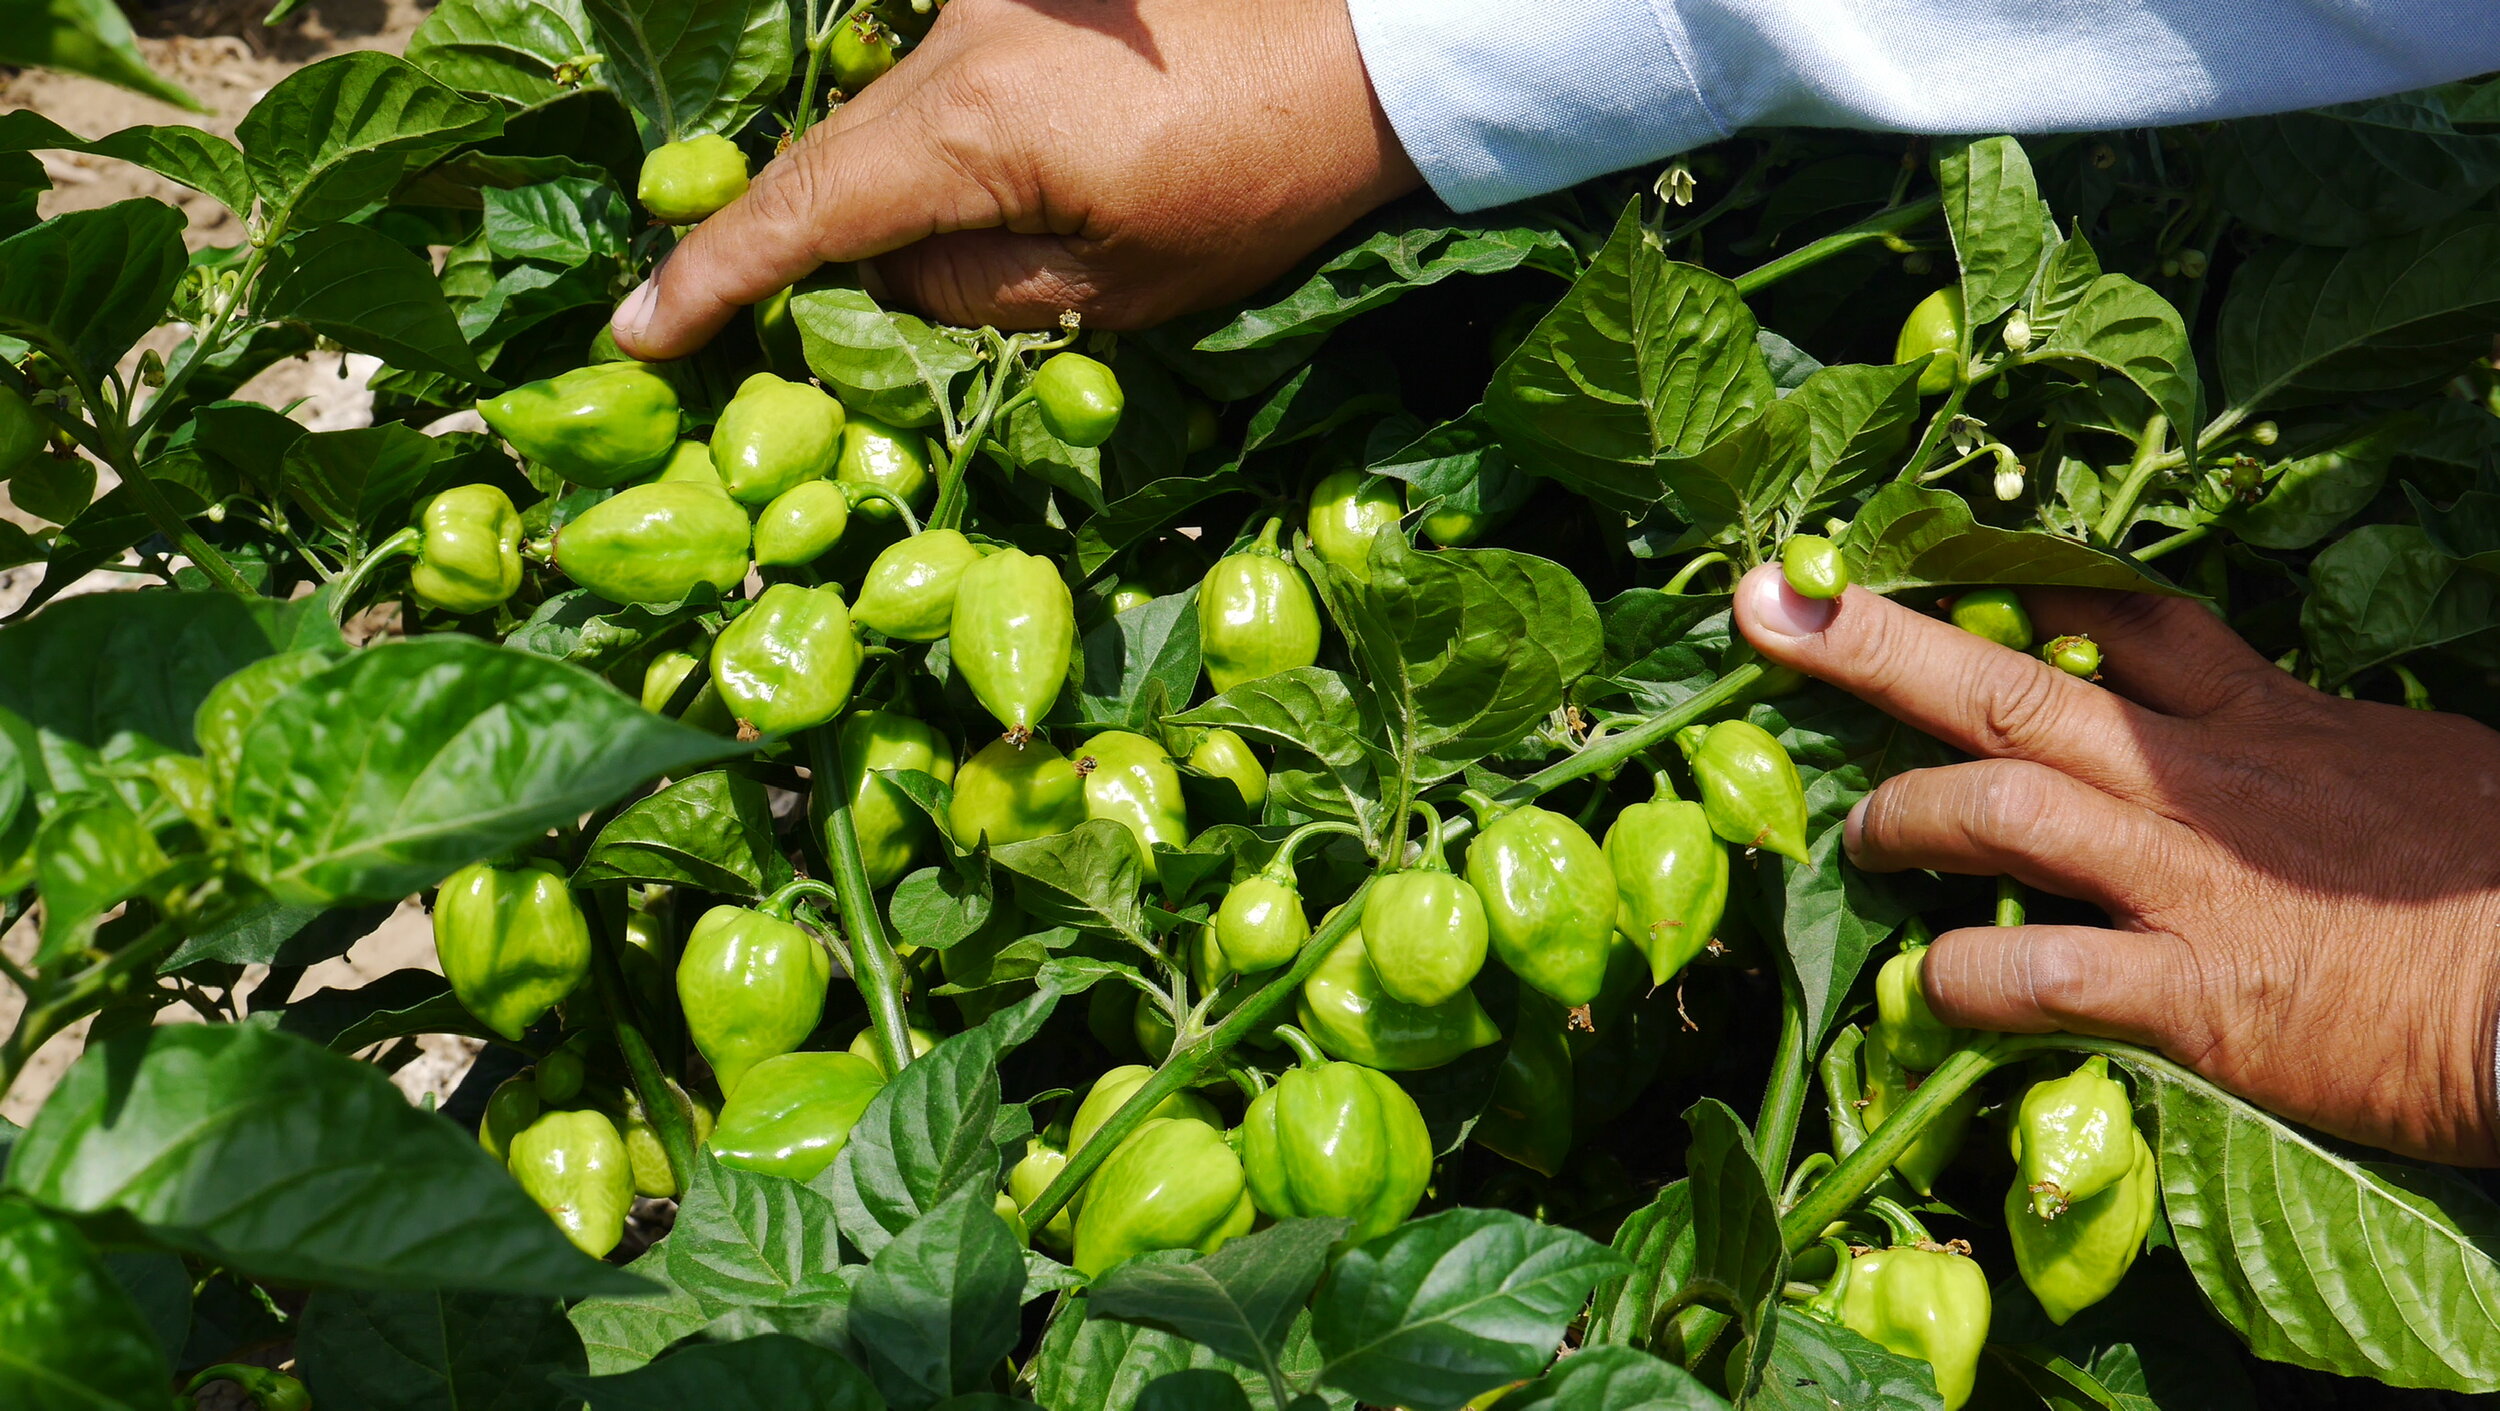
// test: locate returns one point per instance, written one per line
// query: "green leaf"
(1073, 471)
(1151, 507)
(1087, 878)
(70, 1336)
(893, 367)
(363, 482)
(1992, 206)
(91, 854)
(1317, 713)
(1656, 1241)
(569, 221)
(620, 1333)
(2387, 590)
(397, 1005)
(2311, 496)
(1240, 1300)
(282, 1161)
(507, 49)
(769, 1372)
(688, 67)
(1084, 1362)
(1819, 1366)
(353, 284)
(1452, 1305)
(2351, 173)
(1200, 1389)
(938, 1306)
(1859, 420)
(1141, 665)
(87, 285)
(746, 1239)
(1730, 491)
(334, 135)
(432, 1352)
(711, 831)
(1908, 536)
(272, 934)
(379, 776)
(1738, 1258)
(2134, 332)
(2306, 324)
(1413, 246)
(192, 156)
(83, 36)
(1615, 1379)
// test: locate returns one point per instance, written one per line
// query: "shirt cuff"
(1497, 102)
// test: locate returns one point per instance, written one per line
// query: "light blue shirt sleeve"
(1498, 100)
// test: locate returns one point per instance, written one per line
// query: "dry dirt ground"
(220, 51)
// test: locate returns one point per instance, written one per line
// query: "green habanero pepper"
(512, 941)
(1028, 1178)
(788, 662)
(2077, 1259)
(574, 1164)
(862, 51)
(1996, 614)
(1671, 879)
(1260, 924)
(1348, 510)
(1008, 793)
(559, 1076)
(2070, 1137)
(1171, 1185)
(23, 431)
(510, 1108)
(691, 461)
(665, 673)
(1128, 595)
(648, 1155)
(801, 523)
(792, 1113)
(1256, 616)
(1235, 788)
(599, 426)
(1014, 628)
(1932, 334)
(893, 832)
(1922, 1302)
(1749, 786)
(1814, 567)
(1344, 1007)
(774, 435)
(1425, 927)
(2074, 654)
(1079, 399)
(682, 182)
(1907, 1026)
(1549, 894)
(1529, 1117)
(1132, 782)
(655, 543)
(909, 593)
(1112, 1091)
(1449, 525)
(269, 1391)
(1335, 1141)
(882, 457)
(469, 550)
(753, 986)
(864, 1045)
(1888, 1086)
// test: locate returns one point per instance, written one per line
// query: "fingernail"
(1783, 611)
(634, 315)
(1853, 828)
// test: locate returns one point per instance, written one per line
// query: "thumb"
(2127, 985)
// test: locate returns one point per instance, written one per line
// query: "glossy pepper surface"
(1345, 1008)
(1226, 758)
(861, 52)
(1256, 616)
(512, 941)
(1028, 1178)
(801, 523)
(2076, 655)
(1336, 1141)
(575, 1166)
(1907, 1026)
(1814, 567)
(1671, 878)
(1926, 1303)
(1425, 929)
(1348, 510)
(1888, 1087)
(793, 1112)
(1260, 924)
(1749, 786)
(1079, 399)
(1529, 1117)
(1445, 521)
(682, 182)
(752, 986)
(1171, 1185)
(882, 457)
(1550, 899)
(864, 1045)
(893, 832)
(469, 550)
(656, 543)
(909, 593)
(1932, 335)
(510, 1108)
(1112, 1091)
(2078, 1259)
(1996, 614)
(644, 1150)
(667, 671)
(788, 662)
(1014, 628)
(1132, 782)
(2071, 1137)
(773, 436)
(692, 460)
(1010, 792)
(600, 425)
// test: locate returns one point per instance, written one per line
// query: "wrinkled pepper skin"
(1256, 615)
(1131, 781)
(2070, 1138)
(1749, 786)
(2078, 1259)
(1529, 1117)
(1260, 924)
(575, 1166)
(1923, 1303)
(599, 426)
(1344, 1007)
(1907, 1026)
(909, 593)
(1027, 1179)
(1171, 1185)
(801, 523)
(752, 986)
(789, 661)
(512, 941)
(1008, 793)
(1995, 614)
(893, 832)
(1550, 901)
(469, 553)
(1227, 759)
(655, 543)
(510, 1108)
(774, 436)
(1337, 1141)
(1079, 399)
(1671, 879)
(1348, 509)
(682, 182)
(1014, 628)
(1888, 1086)
(1425, 929)
(1113, 1090)
(1932, 334)
(889, 458)
(792, 1113)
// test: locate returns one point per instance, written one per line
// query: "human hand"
(1127, 159)
(2305, 888)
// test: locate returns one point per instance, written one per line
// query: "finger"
(1001, 278)
(2173, 654)
(2047, 830)
(2127, 985)
(1960, 688)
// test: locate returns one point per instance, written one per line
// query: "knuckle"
(2018, 708)
(2006, 799)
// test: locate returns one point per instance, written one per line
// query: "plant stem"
(670, 1114)
(2194, 533)
(40, 1021)
(1874, 227)
(1916, 466)
(2140, 474)
(1784, 1101)
(874, 967)
(406, 541)
(1836, 1193)
(2009, 902)
(1692, 569)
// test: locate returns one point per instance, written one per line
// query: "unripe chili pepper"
(793, 1113)
(1749, 786)
(1171, 1185)
(1336, 1141)
(1996, 614)
(1908, 1028)
(1925, 1302)
(893, 832)
(1112, 1091)
(512, 1106)
(1814, 567)
(644, 1151)
(864, 1045)
(512, 941)
(909, 593)
(775, 435)
(1079, 399)
(882, 457)
(1239, 780)
(1261, 924)
(1671, 879)
(753, 986)
(575, 1166)
(801, 524)
(1550, 897)
(1346, 1009)
(691, 461)
(469, 550)
(2075, 655)
(1027, 1179)
(655, 543)
(1446, 524)
(1256, 616)
(665, 673)
(1348, 510)
(682, 182)
(1425, 927)
(1888, 1086)
(2077, 1259)
(558, 1076)
(1014, 629)
(2071, 1137)
(1932, 334)
(1131, 781)
(788, 662)
(269, 1390)
(861, 52)
(600, 425)
(1008, 793)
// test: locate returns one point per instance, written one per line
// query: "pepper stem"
(2009, 902)
(1431, 861)
(1484, 806)
(1303, 1048)
(1662, 786)
(1826, 1304)
(784, 901)
(1280, 867)
(864, 493)
(1906, 1228)
(344, 588)
(1268, 537)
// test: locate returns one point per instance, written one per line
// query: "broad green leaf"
(892, 366)
(711, 831)
(69, 1335)
(355, 285)
(1859, 420)
(434, 1352)
(87, 37)
(1316, 712)
(2351, 173)
(1738, 1260)
(1819, 1366)
(1087, 878)
(2311, 496)
(1141, 665)
(2059, 1382)
(687, 67)
(397, 1005)
(568, 221)
(279, 1160)
(514, 50)
(363, 482)
(91, 854)
(2386, 590)
(1660, 647)
(1073, 471)
(378, 777)
(744, 1238)
(87, 285)
(1992, 206)
(1734, 487)
(2066, 273)
(1199, 1389)
(2304, 323)
(1615, 1379)
(1414, 246)
(1909, 536)
(192, 156)
(620, 1333)
(1459, 465)
(1330, 392)
(2125, 327)
(770, 1372)
(1452, 1305)
(938, 1306)
(1656, 1242)
(1151, 507)
(334, 135)
(1240, 1300)
(1084, 1362)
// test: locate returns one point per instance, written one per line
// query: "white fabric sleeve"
(1497, 100)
